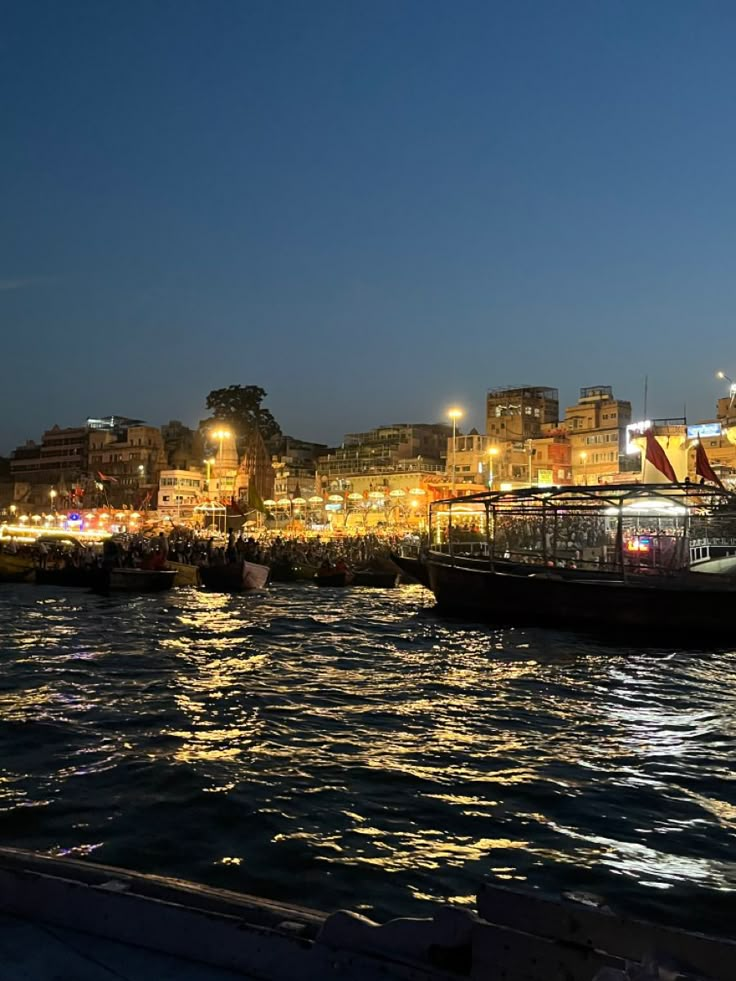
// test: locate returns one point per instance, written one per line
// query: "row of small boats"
(233, 577)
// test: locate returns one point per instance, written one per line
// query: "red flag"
(658, 458)
(703, 467)
(104, 477)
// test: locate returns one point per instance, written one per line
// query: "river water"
(348, 748)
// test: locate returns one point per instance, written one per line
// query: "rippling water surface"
(347, 748)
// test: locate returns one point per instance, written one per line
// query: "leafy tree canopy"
(240, 407)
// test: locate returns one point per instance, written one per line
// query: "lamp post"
(732, 385)
(52, 495)
(209, 463)
(492, 451)
(454, 414)
(584, 461)
(220, 434)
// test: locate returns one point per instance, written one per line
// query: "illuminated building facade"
(180, 491)
(184, 446)
(387, 449)
(472, 460)
(58, 463)
(596, 428)
(132, 459)
(518, 414)
(294, 465)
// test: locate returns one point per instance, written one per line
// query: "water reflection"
(354, 744)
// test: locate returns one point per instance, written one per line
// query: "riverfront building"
(596, 430)
(180, 491)
(128, 462)
(56, 465)
(518, 414)
(403, 447)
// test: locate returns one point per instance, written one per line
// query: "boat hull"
(333, 579)
(676, 608)
(112, 922)
(15, 568)
(375, 580)
(71, 578)
(236, 577)
(413, 568)
(134, 580)
(186, 574)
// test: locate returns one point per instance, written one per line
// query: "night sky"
(372, 209)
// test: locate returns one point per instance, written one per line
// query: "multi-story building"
(596, 428)
(179, 492)
(128, 461)
(387, 449)
(6, 483)
(295, 467)
(718, 437)
(56, 465)
(184, 447)
(551, 458)
(474, 459)
(518, 414)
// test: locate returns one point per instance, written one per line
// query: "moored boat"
(76, 577)
(60, 917)
(16, 566)
(334, 578)
(412, 567)
(186, 574)
(613, 558)
(128, 580)
(234, 577)
(375, 578)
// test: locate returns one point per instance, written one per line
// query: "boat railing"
(703, 550)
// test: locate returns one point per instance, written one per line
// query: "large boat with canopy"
(648, 557)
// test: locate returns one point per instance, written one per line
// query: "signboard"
(704, 430)
(545, 478)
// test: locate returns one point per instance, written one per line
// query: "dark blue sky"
(372, 209)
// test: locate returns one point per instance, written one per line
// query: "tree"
(240, 407)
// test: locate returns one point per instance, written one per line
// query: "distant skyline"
(374, 210)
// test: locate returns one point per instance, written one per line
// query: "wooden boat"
(609, 558)
(412, 567)
(124, 580)
(375, 578)
(61, 917)
(333, 578)
(186, 574)
(16, 567)
(234, 577)
(304, 573)
(283, 571)
(83, 577)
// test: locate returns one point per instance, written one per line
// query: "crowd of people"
(278, 550)
(193, 547)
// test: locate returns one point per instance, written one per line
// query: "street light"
(732, 390)
(52, 495)
(584, 461)
(492, 451)
(454, 414)
(221, 434)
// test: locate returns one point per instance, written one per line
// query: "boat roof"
(693, 496)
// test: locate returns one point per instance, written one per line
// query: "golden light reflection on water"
(354, 734)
